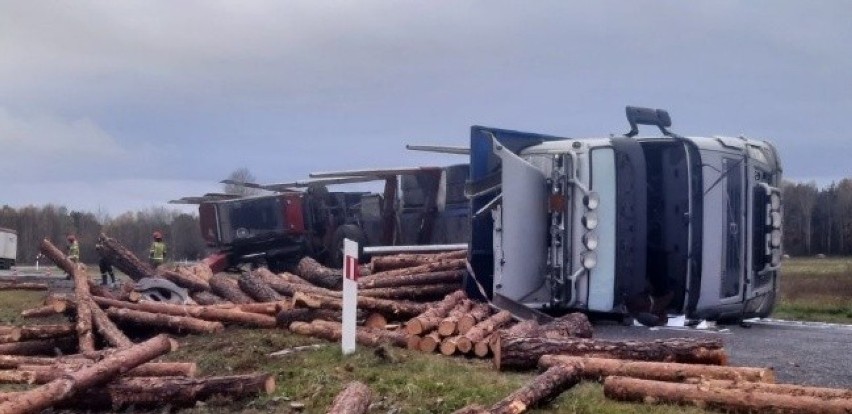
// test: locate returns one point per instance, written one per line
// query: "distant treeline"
(134, 230)
(818, 220)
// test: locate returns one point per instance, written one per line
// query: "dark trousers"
(106, 269)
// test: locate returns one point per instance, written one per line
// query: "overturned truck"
(625, 225)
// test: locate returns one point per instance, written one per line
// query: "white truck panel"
(8, 245)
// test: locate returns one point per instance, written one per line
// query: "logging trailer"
(625, 225)
(419, 206)
(8, 248)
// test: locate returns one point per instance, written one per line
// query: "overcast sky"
(124, 105)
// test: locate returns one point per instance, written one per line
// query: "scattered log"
(394, 309)
(597, 369)
(445, 277)
(22, 286)
(523, 353)
(30, 332)
(429, 343)
(207, 313)
(471, 409)
(89, 377)
(123, 259)
(400, 261)
(155, 392)
(265, 308)
(15, 361)
(43, 311)
(289, 288)
(331, 331)
(572, 325)
(437, 266)
(255, 287)
(477, 314)
(425, 292)
(431, 318)
(730, 400)
(288, 316)
(376, 320)
(228, 288)
(785, 389)
(184, 279)
(319, 275)
(412, 342)
(41, 374)
(450, 346)
(11, 336)
(482, 330)
(207, 298)
(354, 399)
(483, 347)
(539, 390)
(86, 339)
(20, 377)
(178, 324)
(449, 325)
(107, 328)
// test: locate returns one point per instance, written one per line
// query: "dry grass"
(816, 290)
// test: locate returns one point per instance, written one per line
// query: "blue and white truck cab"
(625, 225)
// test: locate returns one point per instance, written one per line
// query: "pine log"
(479, 313)
(228, 288)
(22, 286)
(391, 308)
(41, 374)
(207, 298)
(178, 324)
(412, 342)
(288, 316)
(483, 347)
(200, 270)
(449, 346)
(471, 409)
(730, 400)
(30, 332)
(523, 353)
(101, 372)
(85, 337)
(354, 399)
(123, 259)
(436, 266)
(444, 277)
(449, 325)
(264, 308)
(482, 330)
(417, 293)
(154, 392)
(785, 389)
(107, 328)
(15, 361)
(429, 343)
(207, 313)
(184, 279)
(597, 369)
(331, 331)
(255, 287)
(539, 390)
(399, 261)
(289, 288)
(319, 275)
(8, 337)
(572, 325)
(43, 311)
(431, 317)
(376, 320)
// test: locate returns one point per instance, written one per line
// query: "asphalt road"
(807, 355)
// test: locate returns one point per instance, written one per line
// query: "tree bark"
(43, 311)
(572, 325)
(30, 332)
(597, 369)
(445, 277)
(183, 279)
(412, 342)
(539, 390)
(450, 346)
(785, 389)
(85, 337)
(178, 324)
(730, 400)
(15, 361)
(41, 374)
(405, 260)
(354, 399)
(319, 275)
(523, 353)
(288, 316)
(429, 343)
(228, 288)
(392, 309)
(376, 320)
(483, 347)
(207, 298)
(449, 325)
(437, 266)
(332, 331)
(431, 317)
(482, 330)
(478, 314)
(252, 285)
(471, 409)
(22, 286)
(417, 293)
(63, 388)
(154, 392)
(124, 259)
(289, 288)
(107, 329)
(207, 313)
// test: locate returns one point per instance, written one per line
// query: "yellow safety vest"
(74, 251)
(158, 251)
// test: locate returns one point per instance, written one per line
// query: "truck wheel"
(346, 231)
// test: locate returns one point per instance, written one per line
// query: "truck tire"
(343, 232)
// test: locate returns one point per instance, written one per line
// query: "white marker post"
(350, 295)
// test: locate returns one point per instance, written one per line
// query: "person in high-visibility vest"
(73, 252)
(158, 250)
